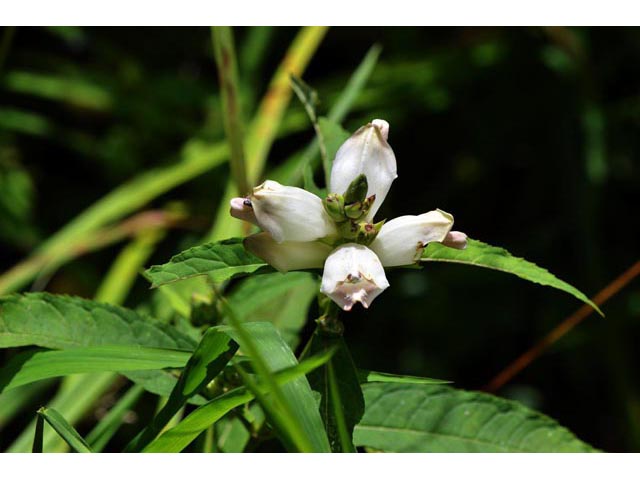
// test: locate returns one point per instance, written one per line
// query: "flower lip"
(353, 274)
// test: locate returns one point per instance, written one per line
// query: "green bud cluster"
(349, 210)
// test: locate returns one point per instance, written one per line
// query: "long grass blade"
(264, 127)
(66, 431)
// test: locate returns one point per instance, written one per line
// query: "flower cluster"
(302, 231)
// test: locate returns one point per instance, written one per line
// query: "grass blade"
(66, 431)
(209, 358)
(266, 122)
(179, 437)
(31, 366)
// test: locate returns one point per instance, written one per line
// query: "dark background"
(529, 136)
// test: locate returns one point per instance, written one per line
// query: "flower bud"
(241, 208)
(334, 206)
(353, 273)
(290, 213)
(455, 240)
(366, 153)
(357, 190)
(357, 210)
(402, 240)
(285, 256)
(367, 232)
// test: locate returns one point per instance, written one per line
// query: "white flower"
(299, 233)
(402, 240)
(366, 152)
(353, 273)
(290, 213)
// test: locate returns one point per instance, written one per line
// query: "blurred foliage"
(529, 136)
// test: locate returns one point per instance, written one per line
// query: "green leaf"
(30, 366)
(341, 401)
(424, 418)
(180, 436)
(280, 299)
(293, 403)
(211, 355)
(76, 394)
(219, 260)
(482, 255)
(66, 431)
(368, 376)
(61, 322)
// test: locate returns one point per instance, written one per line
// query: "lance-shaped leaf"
(33, 365)
(480, 254)
(219, 260)
(66, 431)
(429, 418)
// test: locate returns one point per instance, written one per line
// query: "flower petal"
(290, 213)
(242, 210)
(285, 256)
(402, 240)
(353, 273)
(366, 152)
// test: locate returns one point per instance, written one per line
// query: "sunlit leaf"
(482, 255)
(219, 260)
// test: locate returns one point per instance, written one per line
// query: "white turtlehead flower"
(352, 274)
(402, 240)
(285, 256)
(366, 152)
(300, 234)
(290, 213)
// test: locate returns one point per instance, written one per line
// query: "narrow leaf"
(180, 436)
(341, 400)
(209, 358)
(219, 260)
(27, 367)
(482, 255)
(424, 418)
(66, 431)
(368, 376)
(294, 402)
